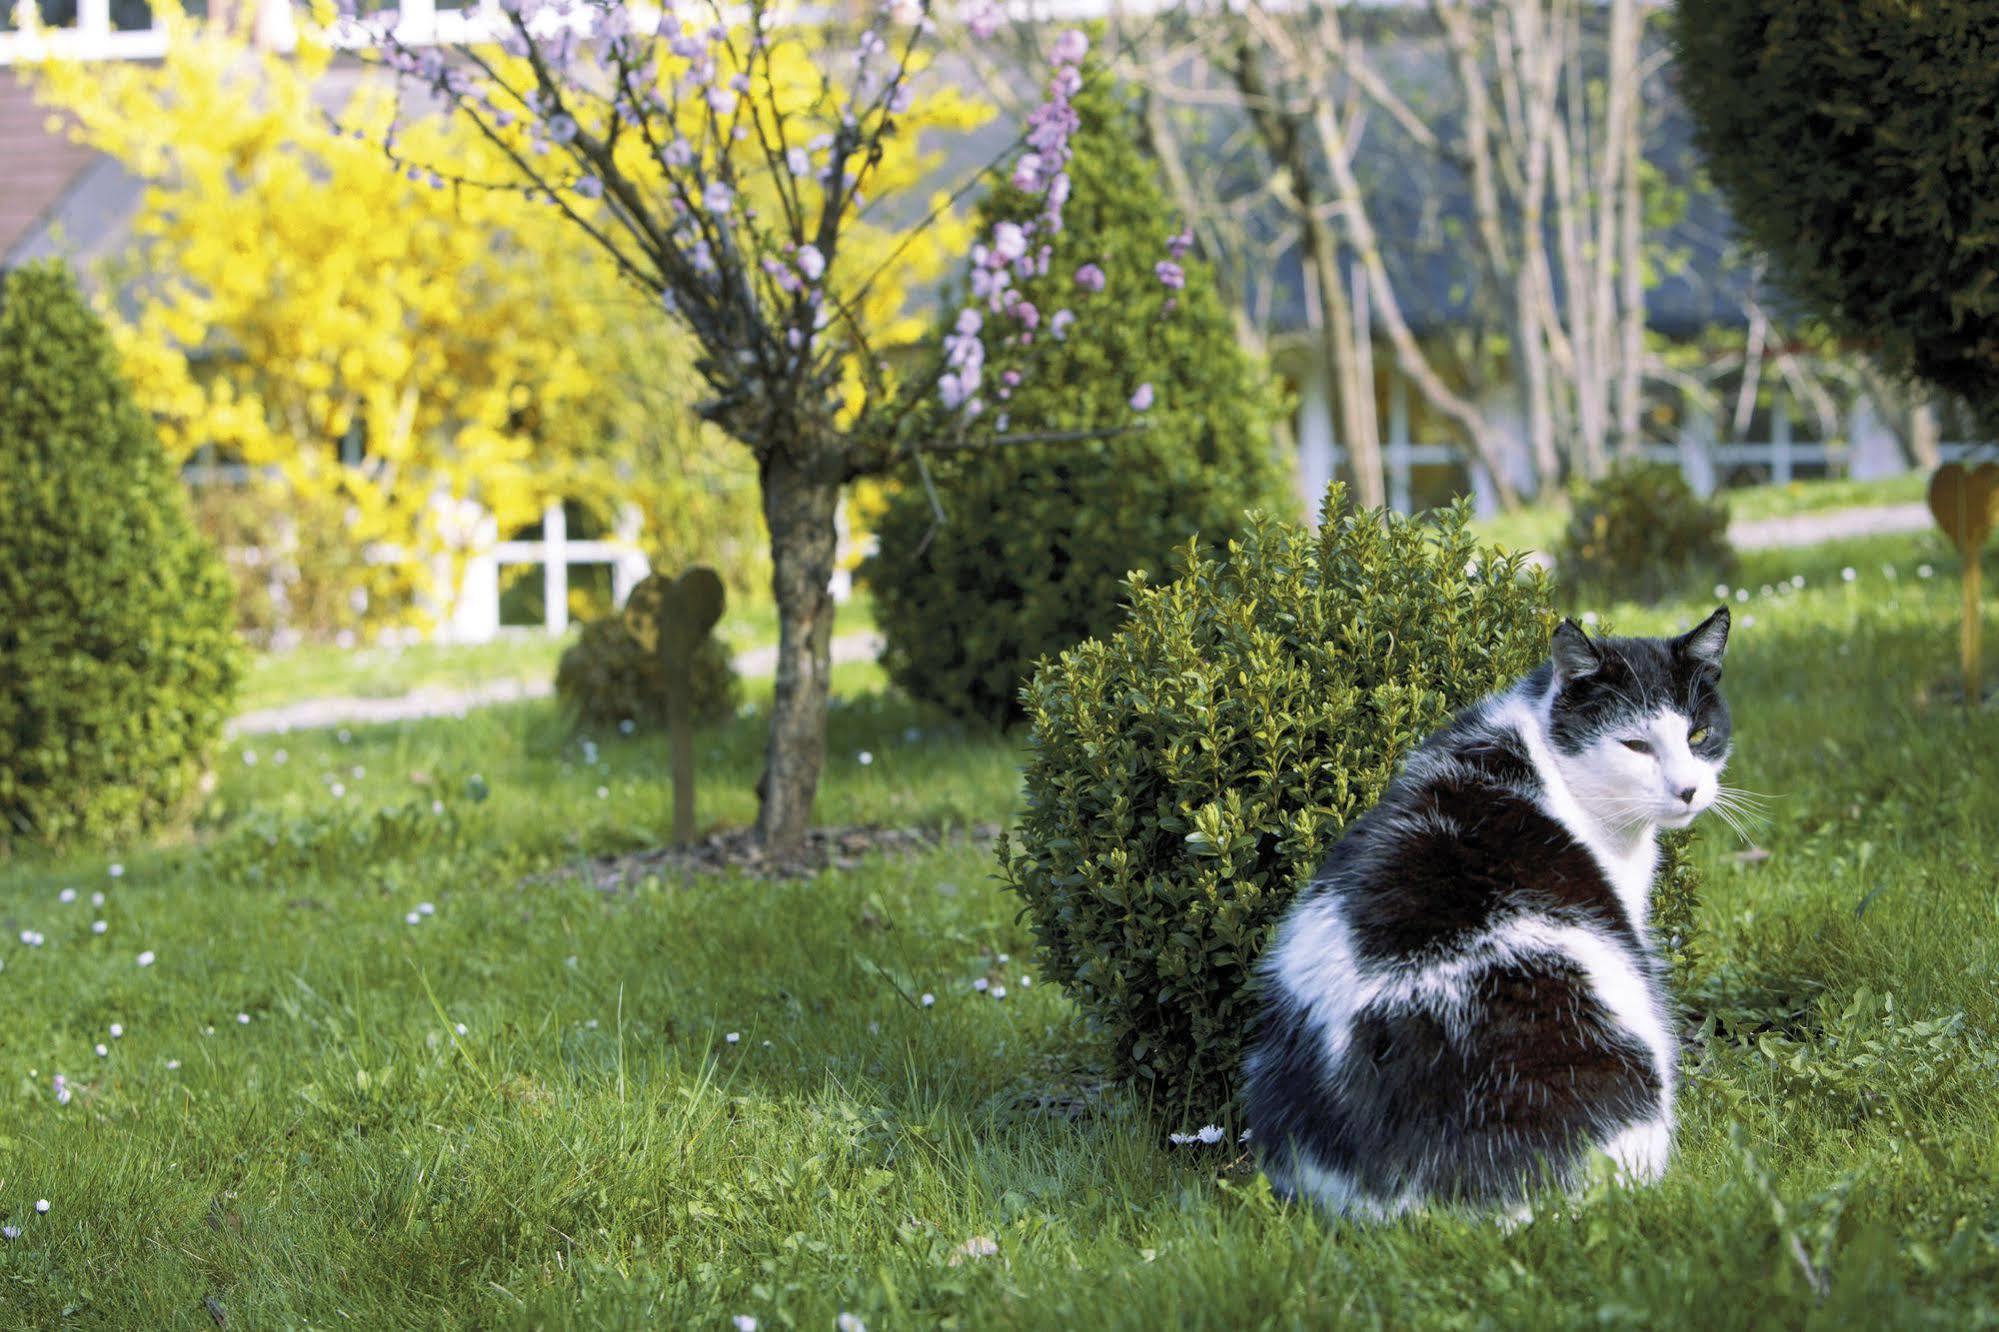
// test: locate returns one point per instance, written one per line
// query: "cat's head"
(1638, 725)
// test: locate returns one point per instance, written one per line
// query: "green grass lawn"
(1539, 527)
(546, 1105)
(322, 671)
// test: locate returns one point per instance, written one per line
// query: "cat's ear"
(1706, 641)
(1575, 656)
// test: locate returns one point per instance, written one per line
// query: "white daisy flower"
(146, 958)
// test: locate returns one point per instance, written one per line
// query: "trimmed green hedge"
(1639, 533)
(1189, 771)
(1039, 538)
(606, 678)
(1855, 142)
(118, 656)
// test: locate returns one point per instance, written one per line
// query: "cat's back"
(1461, 845)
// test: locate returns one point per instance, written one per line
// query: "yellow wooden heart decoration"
(1965, 502)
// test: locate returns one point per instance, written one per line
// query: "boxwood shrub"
(1639, 533)
(606, 678)
(1038, 538)
(1189, 770)
(118, 654)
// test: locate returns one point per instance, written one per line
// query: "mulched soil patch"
(737, 850)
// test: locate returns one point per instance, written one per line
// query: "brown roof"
(36, 167)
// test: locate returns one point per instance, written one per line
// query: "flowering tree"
(290, 302)
(732, 171)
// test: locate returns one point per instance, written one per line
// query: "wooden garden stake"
(1965, 503)
(671, 617)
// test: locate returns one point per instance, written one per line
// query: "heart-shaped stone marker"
(672, 617)
(1965, 502)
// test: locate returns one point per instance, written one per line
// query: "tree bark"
(800, 504)
(1282, 130)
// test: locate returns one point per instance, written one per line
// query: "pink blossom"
(811, 262)
(1071, 47)
(716, 197)
(1142, 400)
(1170, 274)
(1059, 322)
(1091, 278)
(1009, 242)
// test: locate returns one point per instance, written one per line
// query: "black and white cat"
(1465, 1000)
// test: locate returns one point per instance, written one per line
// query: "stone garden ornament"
(1965, 502)
(672, 617)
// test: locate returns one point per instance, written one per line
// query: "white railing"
(479, 595)
(1706, 462)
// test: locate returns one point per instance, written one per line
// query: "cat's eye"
(1697, 735)
(1638, 746)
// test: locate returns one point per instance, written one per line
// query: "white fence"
(1707, 463)
(475, 611)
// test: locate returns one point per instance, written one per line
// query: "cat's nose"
(1687, 795)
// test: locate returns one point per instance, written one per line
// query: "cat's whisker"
(1749, 814)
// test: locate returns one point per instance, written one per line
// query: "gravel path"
(1809, 529)
(1803, 529)
(444, 702)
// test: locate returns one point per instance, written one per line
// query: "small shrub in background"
(1639, 533)
(1038, 538)
(1190, 770)
(118, 657)
(606, 678)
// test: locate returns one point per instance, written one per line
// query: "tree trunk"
(799, 507)
(1338, 346)
(1925, 434)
